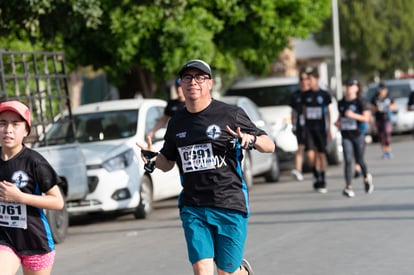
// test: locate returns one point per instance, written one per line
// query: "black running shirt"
(296, 105)
(208, 159)
(32, 174)
(351, 128)
(315, 109)
(384, 112)
(173, 106)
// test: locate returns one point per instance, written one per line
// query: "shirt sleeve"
(246, 125)
(45, 175)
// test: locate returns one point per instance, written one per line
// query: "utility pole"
(337, 49)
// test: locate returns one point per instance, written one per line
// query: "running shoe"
(369, 186)
(348, 193)
(315, 184)
(387, 155)
(297, 174)
(357, 174)
(246, 265)
(322, 190)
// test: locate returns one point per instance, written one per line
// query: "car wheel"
(146, 199)
(273, 174)
(59, 223)
(247, 170)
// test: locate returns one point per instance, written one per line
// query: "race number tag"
(348, 124)
(13, 215)
(197, 157)
(313, 112)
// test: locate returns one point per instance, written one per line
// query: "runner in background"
(353, 111)
(298, 122)
(382, 106)
(317, 120)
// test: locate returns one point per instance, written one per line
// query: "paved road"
(292, 230)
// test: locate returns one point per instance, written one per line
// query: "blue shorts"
(215, 233)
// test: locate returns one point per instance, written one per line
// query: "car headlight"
(120, 161)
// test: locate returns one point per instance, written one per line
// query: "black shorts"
(300, 135)
(316, 140)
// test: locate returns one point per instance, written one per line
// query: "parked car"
(107, 133)
(272, 95)
(256, 163)
(399, 90)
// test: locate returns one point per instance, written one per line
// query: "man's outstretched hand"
(147, 155)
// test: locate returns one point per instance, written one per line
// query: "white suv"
(272, 95)
(107, 133)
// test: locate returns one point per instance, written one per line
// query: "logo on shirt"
(20, 178)
(181, 135)
(213, 131)
(319, 99)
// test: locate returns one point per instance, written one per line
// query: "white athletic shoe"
(246, 265)
(322, 190)
(297, 174)
(369, 186)
(348, 193)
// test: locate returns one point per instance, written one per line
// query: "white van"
(272, 95)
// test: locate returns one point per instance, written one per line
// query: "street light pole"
(337, 49)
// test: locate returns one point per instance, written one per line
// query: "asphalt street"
(292, 229)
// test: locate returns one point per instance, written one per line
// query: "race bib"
(348, 124)
(13, 215)
(313, 112)
(197, 157)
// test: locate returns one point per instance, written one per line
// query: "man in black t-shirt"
(317, 121)
(206, 140)
(298, 122)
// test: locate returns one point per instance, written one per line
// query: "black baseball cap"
(351, 81)
(382, 86)
(196, 64)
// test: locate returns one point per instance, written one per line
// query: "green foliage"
(376, 36)
(159, 36)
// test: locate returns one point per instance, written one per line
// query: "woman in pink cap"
(28, 184)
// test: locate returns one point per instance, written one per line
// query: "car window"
(154, 114)
(92, 127)
(267, 96)
(106, 125)
(60, 132)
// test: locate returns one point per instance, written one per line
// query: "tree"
(376, 36)
(144, 42)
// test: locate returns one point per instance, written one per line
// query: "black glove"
(150, 165)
